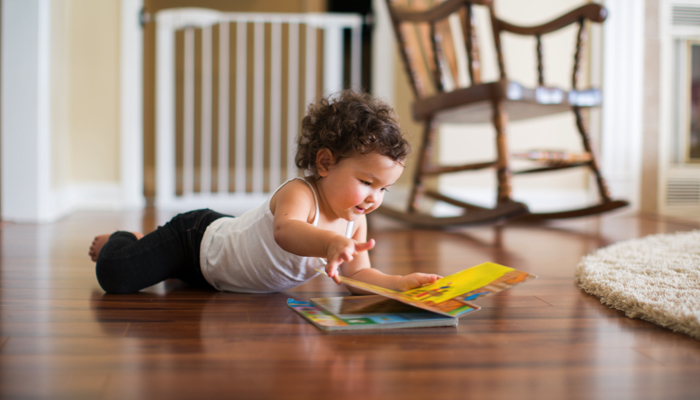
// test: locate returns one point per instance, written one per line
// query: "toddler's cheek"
(355, 198)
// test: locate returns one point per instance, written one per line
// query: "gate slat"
(206, 145)
(275, 105)
(292, 98)
(241, 94)
(259, 107)
(188, 116)
(223, 183)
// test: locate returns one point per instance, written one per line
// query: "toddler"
(351, 150)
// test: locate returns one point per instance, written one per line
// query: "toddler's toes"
(96, 246)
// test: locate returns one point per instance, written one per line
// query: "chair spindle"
(496, 27)
(580, 43)
(438, 73)
(540, 63)
(472, 45)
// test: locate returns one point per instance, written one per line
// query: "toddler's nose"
(373, 197)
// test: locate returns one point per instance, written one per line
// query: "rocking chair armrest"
(441, 11)
(593, 12)
(425, 108)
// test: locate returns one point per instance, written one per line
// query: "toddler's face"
(356, 185)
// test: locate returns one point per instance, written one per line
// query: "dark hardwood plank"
(62, 337)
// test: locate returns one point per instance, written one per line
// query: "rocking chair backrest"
(438, 41)
(438, 37)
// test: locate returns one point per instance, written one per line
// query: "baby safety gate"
(231, 90)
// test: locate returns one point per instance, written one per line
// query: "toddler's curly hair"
(348, 124)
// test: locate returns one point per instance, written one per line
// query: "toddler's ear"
(324, 161)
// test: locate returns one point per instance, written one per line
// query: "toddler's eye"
(365, 183)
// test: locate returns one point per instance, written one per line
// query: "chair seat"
(473, 104)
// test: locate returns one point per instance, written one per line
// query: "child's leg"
(100, 241)
(126, 264)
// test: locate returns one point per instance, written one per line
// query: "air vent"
(686, 15)
(683, 192)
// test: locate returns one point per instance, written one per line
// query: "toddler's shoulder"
(295, 195)
(297, 188)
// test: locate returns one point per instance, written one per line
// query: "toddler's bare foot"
(100, 241)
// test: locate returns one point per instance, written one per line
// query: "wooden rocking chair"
(427, 48)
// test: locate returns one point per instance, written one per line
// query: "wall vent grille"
(686, 15)
(683, 192)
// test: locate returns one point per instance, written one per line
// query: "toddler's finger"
(333, 274)
(425, 279)
(331, 269)
(369, 245)
(346, 257)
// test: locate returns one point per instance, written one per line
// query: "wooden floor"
(62, 337)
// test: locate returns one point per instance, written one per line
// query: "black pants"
(127, 265)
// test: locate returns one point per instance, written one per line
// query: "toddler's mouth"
(360, 209)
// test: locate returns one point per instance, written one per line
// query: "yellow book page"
(457, 284)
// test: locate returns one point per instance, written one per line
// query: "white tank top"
(241, 254)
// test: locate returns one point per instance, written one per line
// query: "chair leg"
(582, 126)
(500, 119)
(505, 209)
(425, 153)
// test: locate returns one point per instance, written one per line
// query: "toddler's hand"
(415, 280)
(341, 250)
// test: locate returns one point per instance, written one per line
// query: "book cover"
(450, 296)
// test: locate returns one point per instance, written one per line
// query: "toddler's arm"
(293, 209)
(360, 269)
(294, 206)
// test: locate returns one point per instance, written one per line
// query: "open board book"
(439, 304)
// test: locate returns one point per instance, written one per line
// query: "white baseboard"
(88, 196)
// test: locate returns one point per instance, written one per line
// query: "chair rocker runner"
(428, 40)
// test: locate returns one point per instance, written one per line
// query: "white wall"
(61, 111)
(26, 99)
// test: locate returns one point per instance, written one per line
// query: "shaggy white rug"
(655, 278)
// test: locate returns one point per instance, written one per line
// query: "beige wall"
(84, 92)
(403, 100)
(94, 85)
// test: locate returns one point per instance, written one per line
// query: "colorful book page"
(315, 315)
(453, 308)
(452, 295)
(326, 320)
(373, 306)
(469, 281)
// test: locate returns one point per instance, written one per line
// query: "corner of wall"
(649, 186)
